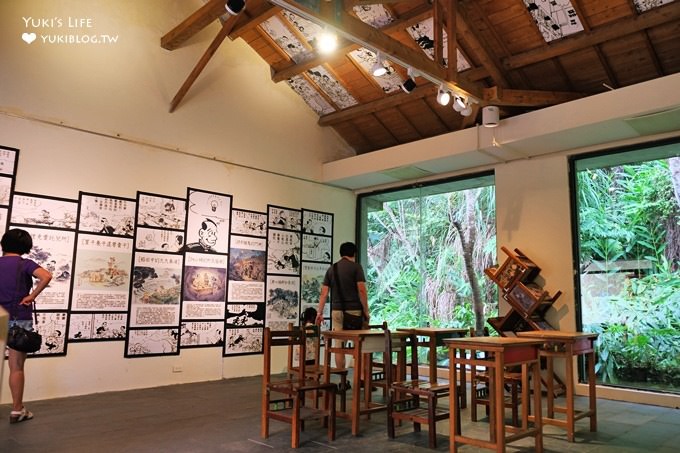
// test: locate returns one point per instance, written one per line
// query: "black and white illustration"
(316, 248)
(286, 39)
(390, 82)
(3, 220)
(245, 315)
(106, 215)
(204, 287)
(160, 212)
(248, 223)
(143, 342)
(242, 341)
(8, 160)
(283, 252)
(283, 301)
(309, 30)
(97, 327)
(5, 190)
(53, 250)
(52, 326)
(646, 5)
(554, 18)
(310, 95)
(284, 218)
(247, 266)
(330, 85)
(375, 15)
(201, 333)
(315, 222)
(156, 283)
(423, 34)
(156, 240)
(28, 209)
(207, 225)
(101, 276)
(312, 280)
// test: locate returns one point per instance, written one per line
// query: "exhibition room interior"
(449, 139)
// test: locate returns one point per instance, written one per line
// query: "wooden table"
(431, 337)
(364, 343)
(500, 352)
(567, 345)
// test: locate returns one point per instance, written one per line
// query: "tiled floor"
(223, 416)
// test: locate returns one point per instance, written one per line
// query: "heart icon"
(28, 37)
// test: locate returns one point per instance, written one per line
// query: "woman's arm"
(43, 276)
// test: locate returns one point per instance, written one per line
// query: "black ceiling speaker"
(234, 7)
(408, 85)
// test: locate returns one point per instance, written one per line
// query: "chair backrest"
(390, 350)
(290, 338)
(312, 343)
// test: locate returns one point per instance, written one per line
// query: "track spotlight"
(409, 84)
(327, 42)
(234, 7)
(443, 95)
(459, 103)
(467, 111)
(379, 68)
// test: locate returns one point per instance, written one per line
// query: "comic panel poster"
(201, 334)
(106, 215)
(204, 288)
(241, 341)
(147, 342)
(315, 222)
(283, 252)
(160, 211)
(53, 250)
(155, 240)
(283, 301)
(8, 160)
(284, 218)
(6, 184)
(52, 326)
(3, 220)
(247, 262)
(101, 276)
(156, 283)
(245, 315)
(28, 209)
(317, 248)
(207, 225)
(312, 280)
(248, 223)
(97, 327)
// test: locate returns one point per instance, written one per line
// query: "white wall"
(94, 118)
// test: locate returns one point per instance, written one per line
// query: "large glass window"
(628, 220)
(424, 250)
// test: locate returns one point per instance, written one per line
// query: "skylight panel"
(334, 89)
(312, 97)
(555, 18)
(423, 34)
(285, 39)
(376, 15)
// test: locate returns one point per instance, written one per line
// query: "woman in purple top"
(16, 296)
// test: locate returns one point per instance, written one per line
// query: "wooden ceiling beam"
(254, 20)
(652, 18)
(527, 98)
(196, 22)
(377, 105)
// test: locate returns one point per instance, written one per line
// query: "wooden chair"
(314, 369)
(284, 399)
(405, 399)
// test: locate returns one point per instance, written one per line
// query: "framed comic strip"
(53, 327)
(152, 342)
(6, 187)
(9, 158)
(208, 222)
(243, 341)
(316, 222)
(284, 218)
(204, 286)
(3, 220)
(194, 334)
(283, 301)
(283, 252)
(97, 327)
(101, 274)
(312, 280)
(160, 211)
(104, 214)
(247, 265)
(248, 223)
(44, 211)
(155, 290)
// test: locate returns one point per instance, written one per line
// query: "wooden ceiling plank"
(253, 21)
(205, 58)
(611, 77)
(452, 38)
(527, 98)
(377, 105)
(649, 19)
(438, 29)
(196, 22)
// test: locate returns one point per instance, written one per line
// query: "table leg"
(590, 359)
(551, 386)
(569, 382)
(453, 400)
(356, 390)
(499, 402)
(538, 421)
(432, 358)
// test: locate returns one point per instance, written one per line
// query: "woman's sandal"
(20, 416)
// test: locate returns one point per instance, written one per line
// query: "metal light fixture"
(490, 116)
(379, 68)
(234, 7)
(459, 103)
(327, 42)
(443, 95)
(409, 84)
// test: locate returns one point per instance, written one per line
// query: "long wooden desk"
(431, 338)
(500, 352)
(567, 345)
(364, 343)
